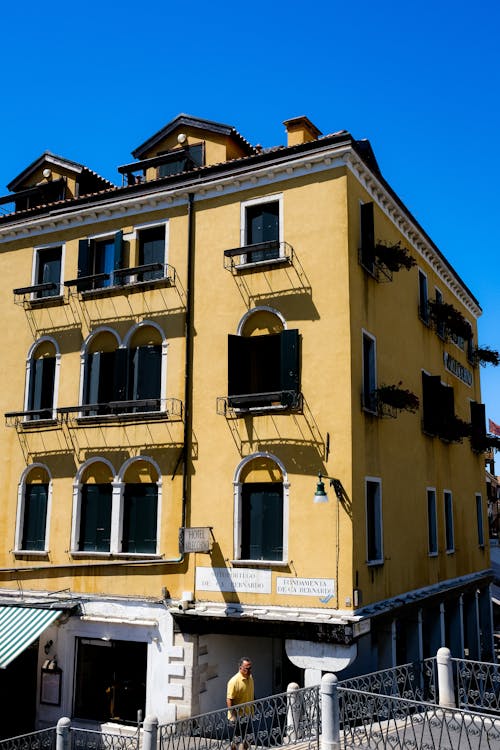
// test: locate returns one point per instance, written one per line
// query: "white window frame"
(134, 235)
(480, 519)
(367, 335)
(449, 523)
(21, 489)
(277, 198)
(377, 481)
(29, 359)
(117, 504)
(36, 264)
(432, 553)
(237, 503)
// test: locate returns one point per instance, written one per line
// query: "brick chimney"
(301, 130)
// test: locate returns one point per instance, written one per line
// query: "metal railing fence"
(477, 685)
(368, 720)
(285, 719)
(88, 739)
(415, 681)
(44, 739)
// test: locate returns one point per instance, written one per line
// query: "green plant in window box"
(455, 429)
(398, 398)
(485, 443)
(394, 257)
(484, 355)
(445, 314)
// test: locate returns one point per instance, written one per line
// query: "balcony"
(37, 295)
(259, 403)
(35, 418)
(151, 409)
(257, 256)
(136, 278)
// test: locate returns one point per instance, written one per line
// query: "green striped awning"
(19, 627)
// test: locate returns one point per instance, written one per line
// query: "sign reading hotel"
(322, 587)
(195, 539)
(456, 369)
(243, 580)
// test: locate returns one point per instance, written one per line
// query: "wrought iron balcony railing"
(260, 254)
(260, 402)
(144, 409)
(148, 273)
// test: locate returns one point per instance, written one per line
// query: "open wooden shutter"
(238, 366)
(118, 262)
(367, 236)
(95, 523)
(478, 425)
(83, 258)
(290, 373)
(431, 392)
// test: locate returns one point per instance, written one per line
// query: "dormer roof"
(187, 121)
(50, 160)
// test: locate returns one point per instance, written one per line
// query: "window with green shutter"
(41, 387)
(140, 511)
(262, 521)
(35, 516)
(95, 518)
(264, 370)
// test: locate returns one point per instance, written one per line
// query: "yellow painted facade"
(315, 285)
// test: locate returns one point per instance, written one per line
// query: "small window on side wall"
(432, 522)
(448, 522)
(423, 297)
(374, 542)
(369, 374)
(480, 520)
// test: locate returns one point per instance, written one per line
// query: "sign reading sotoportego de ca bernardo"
(244, 580)
(322, 587)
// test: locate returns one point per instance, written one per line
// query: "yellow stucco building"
(183, 355)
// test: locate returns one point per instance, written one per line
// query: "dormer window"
(181, 160)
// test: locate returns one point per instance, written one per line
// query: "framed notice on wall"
(50, 684)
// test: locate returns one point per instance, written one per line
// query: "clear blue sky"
(91, 81)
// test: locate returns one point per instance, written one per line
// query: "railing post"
(150, 733)
(330, 720)
(292, 712)
(62, 733)
(446, 689)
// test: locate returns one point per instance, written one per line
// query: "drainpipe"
(188, 373)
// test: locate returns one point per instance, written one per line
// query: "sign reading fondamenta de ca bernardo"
(322, 587)
(244, 580)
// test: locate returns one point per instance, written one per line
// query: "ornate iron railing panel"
(45, 739)
(286, 719)
(378, 721)
(477, 685)
(88, 739)
(414, 681)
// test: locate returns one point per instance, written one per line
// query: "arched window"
(261, 509)
(104, 373)
(94, 527)
(33, 506)
(40, 394)
(263, 362)
(140, 508)
(124, 377)
(144, 377)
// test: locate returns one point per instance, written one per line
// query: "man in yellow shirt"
(240, 689)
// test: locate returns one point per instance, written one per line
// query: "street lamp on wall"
(320, 496)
